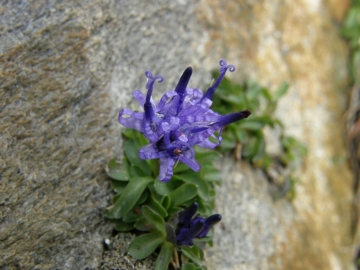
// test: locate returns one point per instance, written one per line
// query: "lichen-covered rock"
(67, 67)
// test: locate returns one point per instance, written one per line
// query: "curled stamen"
(151, 81)
(149, 111)
(223, 68)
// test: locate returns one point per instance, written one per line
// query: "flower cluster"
(190, 227)
(180, 120)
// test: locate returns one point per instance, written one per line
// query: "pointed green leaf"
(195, 179)
(182, 194)
(156, 206)
(132, 215)
(144, 245)
(115, 198)
(173, 210)
(132, 154)
(281, 91)
(164, 257)
(193, 254)
(251, 124)
(188, 266)
(130, 195)
(166, 202)
(127, 132)
(206, 156)
(142, 224)
(163, 188)
(181, 167)
(118, 186)
(117, 171)
(154, 218)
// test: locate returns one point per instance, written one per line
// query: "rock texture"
(67, 67)
(298, 42)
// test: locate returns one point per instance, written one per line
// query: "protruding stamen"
(223, 68)
(231, 118)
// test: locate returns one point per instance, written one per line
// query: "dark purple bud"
(209, 223)
(186, 215)
(185, 236)
(181, 86)
(223, 68)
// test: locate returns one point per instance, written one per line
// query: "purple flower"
(190, 227)
(180, 120)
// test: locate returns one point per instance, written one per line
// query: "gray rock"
(67, 67)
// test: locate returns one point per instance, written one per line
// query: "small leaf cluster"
(145, 204)
(351, 30)
(246, 138)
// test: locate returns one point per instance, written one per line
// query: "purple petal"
(166, 102)
(151, 151)
(188, 159)
(131, 119)
(148, 108)
(140, 97)
(166, 169)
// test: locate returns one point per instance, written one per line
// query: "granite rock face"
(68, 67)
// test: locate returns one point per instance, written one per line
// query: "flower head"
(180, 120)
(190, 227)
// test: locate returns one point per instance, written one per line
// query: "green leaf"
(240, 135)
(142, 224)
(127, 132)
(118, 186)
(117, 171)
(193, 254)
(154, 218)
(173, 210)
(130, 195)
(164, 257)
(260, 149)
(144, 245)
(132, 215)
(166, 202)
(281, 91)
(122, 226)
(253, 90)
(182, 194)
(143, 198)
(115, 198)
(109, 212)
(252, 124)
(195, 179)
(210, 173)
(156, 206)
(163, 188)
(188, 266)
(206, 156)
(132, 154)
(181, 167)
